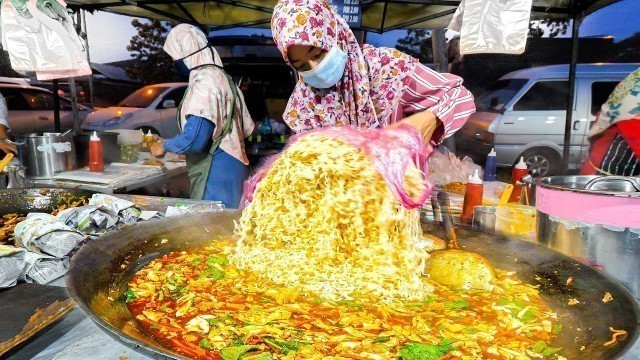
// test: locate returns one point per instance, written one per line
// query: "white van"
(523, 114)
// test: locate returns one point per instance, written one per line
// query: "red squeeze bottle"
(96, 163)
(472, 197)
(519, 171)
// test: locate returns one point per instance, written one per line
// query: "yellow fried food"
(460, 269)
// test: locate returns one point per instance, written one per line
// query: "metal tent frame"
(377, 16)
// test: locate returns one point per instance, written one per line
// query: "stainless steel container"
(595, 219)
(484, 218)
(12, 177)
(45, 155)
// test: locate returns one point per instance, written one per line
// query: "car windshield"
(496, 97)
(143, 97)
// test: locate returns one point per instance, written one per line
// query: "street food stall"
(481, 268)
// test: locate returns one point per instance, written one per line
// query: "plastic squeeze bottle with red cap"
(519, 171)
(96, 162)
(472, 197)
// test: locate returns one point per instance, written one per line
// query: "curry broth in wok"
(199, 304)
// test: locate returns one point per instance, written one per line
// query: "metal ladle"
(455, 267)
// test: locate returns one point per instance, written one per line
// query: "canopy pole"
(566, 150)
(85, 35)
(56, 106)
(439, 50)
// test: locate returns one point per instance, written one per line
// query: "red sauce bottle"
(472, 198)
(96, 162)
(519, 171)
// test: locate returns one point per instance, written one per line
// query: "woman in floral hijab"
(342, 83)
(615, 137)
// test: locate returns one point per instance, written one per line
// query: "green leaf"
(129, 296)
(469, 330)
(456, 305)
(236, 352)
(221, 260)
(414, 351)
(213, 322)
(429, 300)
(262, 356)
(556, 329)
(550, 351)
(153, 327)
(539, 347)
(237, 342)
(195, 261)
(317, 300)
(286, 347)
(380, 339)
(213, 273)
(350, 303)
(205, 344)
(265, 300)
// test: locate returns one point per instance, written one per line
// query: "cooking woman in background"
(344, 84)
(4, 126)
(214, 120)
(615, 137)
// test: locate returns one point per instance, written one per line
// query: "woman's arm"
(439, 104)
(195, 138)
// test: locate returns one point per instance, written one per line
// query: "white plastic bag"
(493, 26)
(39, 36)
(446, 168)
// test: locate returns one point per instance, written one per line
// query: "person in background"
(615, 136)
(214, 120)
(4, 127)
(343, 84)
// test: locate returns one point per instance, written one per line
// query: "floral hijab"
(623, 104)
(374, 78)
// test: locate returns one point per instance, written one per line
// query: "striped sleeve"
(442, 94)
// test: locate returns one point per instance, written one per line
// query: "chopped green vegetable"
(195, 261)
(261, 356)
(556, 329)
(543, 349)
(236, 352)
(350, 303)
(429, 300)
(469, 330)
(413, 351)
(515, 308)
(237, 342)
(265, 300)
(212, 272)
(205, 344)
(285, 347)
(221, 260)
(317, 300)
(213, 322)
(153, 327)
(380, 339)
(130, 296)
(456, 305)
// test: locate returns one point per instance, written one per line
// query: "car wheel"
(542, 162)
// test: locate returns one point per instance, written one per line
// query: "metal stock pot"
(46, 154)
(595, 219)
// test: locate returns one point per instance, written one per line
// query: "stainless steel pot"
(12, 177)
(47, 154)
(595, 219)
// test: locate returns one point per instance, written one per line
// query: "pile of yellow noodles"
(324, 220)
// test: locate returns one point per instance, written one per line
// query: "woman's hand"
(425, 122)
(6, 147)
(157, 149)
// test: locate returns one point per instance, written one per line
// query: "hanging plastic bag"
(39, 36)
(391, 151)
(493, 26)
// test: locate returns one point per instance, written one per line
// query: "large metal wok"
(97, 281)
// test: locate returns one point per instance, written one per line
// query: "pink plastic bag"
(391, 150)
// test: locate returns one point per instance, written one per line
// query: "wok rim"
(154, 351)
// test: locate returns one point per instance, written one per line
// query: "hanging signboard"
(350, 10)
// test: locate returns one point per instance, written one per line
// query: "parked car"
(31, 109)
(523, 114)
(152, 108)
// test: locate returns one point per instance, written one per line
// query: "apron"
(199, 165)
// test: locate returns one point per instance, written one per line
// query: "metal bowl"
(97, 281)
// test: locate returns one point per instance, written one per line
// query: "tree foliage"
(552, 28)
(152, 64)
(417, 43)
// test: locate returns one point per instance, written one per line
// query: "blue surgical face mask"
(329, 71)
